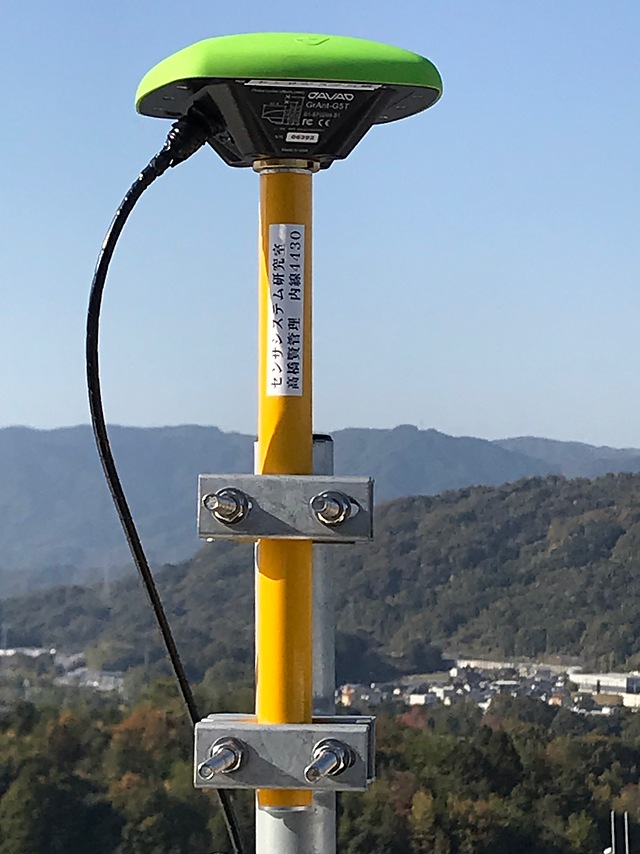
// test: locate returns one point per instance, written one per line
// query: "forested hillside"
(541, 567)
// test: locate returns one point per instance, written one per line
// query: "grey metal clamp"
(287, 507)
(333, 753)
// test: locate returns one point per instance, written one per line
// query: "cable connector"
(187, 135)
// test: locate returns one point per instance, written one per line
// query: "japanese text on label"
(285, 314)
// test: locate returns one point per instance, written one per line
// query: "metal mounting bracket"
(278, 756)
(285, 507)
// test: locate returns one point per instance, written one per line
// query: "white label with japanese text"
(285, 312)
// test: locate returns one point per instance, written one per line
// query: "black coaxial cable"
(186, 136)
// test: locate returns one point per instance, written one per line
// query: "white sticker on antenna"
(285, 313)
(301, 136)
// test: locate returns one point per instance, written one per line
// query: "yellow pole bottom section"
(283, 798)
(284, 641)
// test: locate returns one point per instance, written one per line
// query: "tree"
(371, 824)
(428, 836)
(581, 833)
(55, 814)
(156, 821)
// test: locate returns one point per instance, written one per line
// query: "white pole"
(626, 832)
(322, 824)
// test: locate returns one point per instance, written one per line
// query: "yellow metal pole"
(285, 442)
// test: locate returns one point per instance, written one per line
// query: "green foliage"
(511, 782)
(47, 811)
(524, 778)
(99, 783)
(370, 823)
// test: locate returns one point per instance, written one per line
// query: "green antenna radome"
(289, 95)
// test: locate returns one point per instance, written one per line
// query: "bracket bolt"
(330, 758)
(225, 755)
(228, 505)
(332, 508)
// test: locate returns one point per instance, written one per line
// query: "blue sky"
(476, 267)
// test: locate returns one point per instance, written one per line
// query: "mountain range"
(57, 523)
